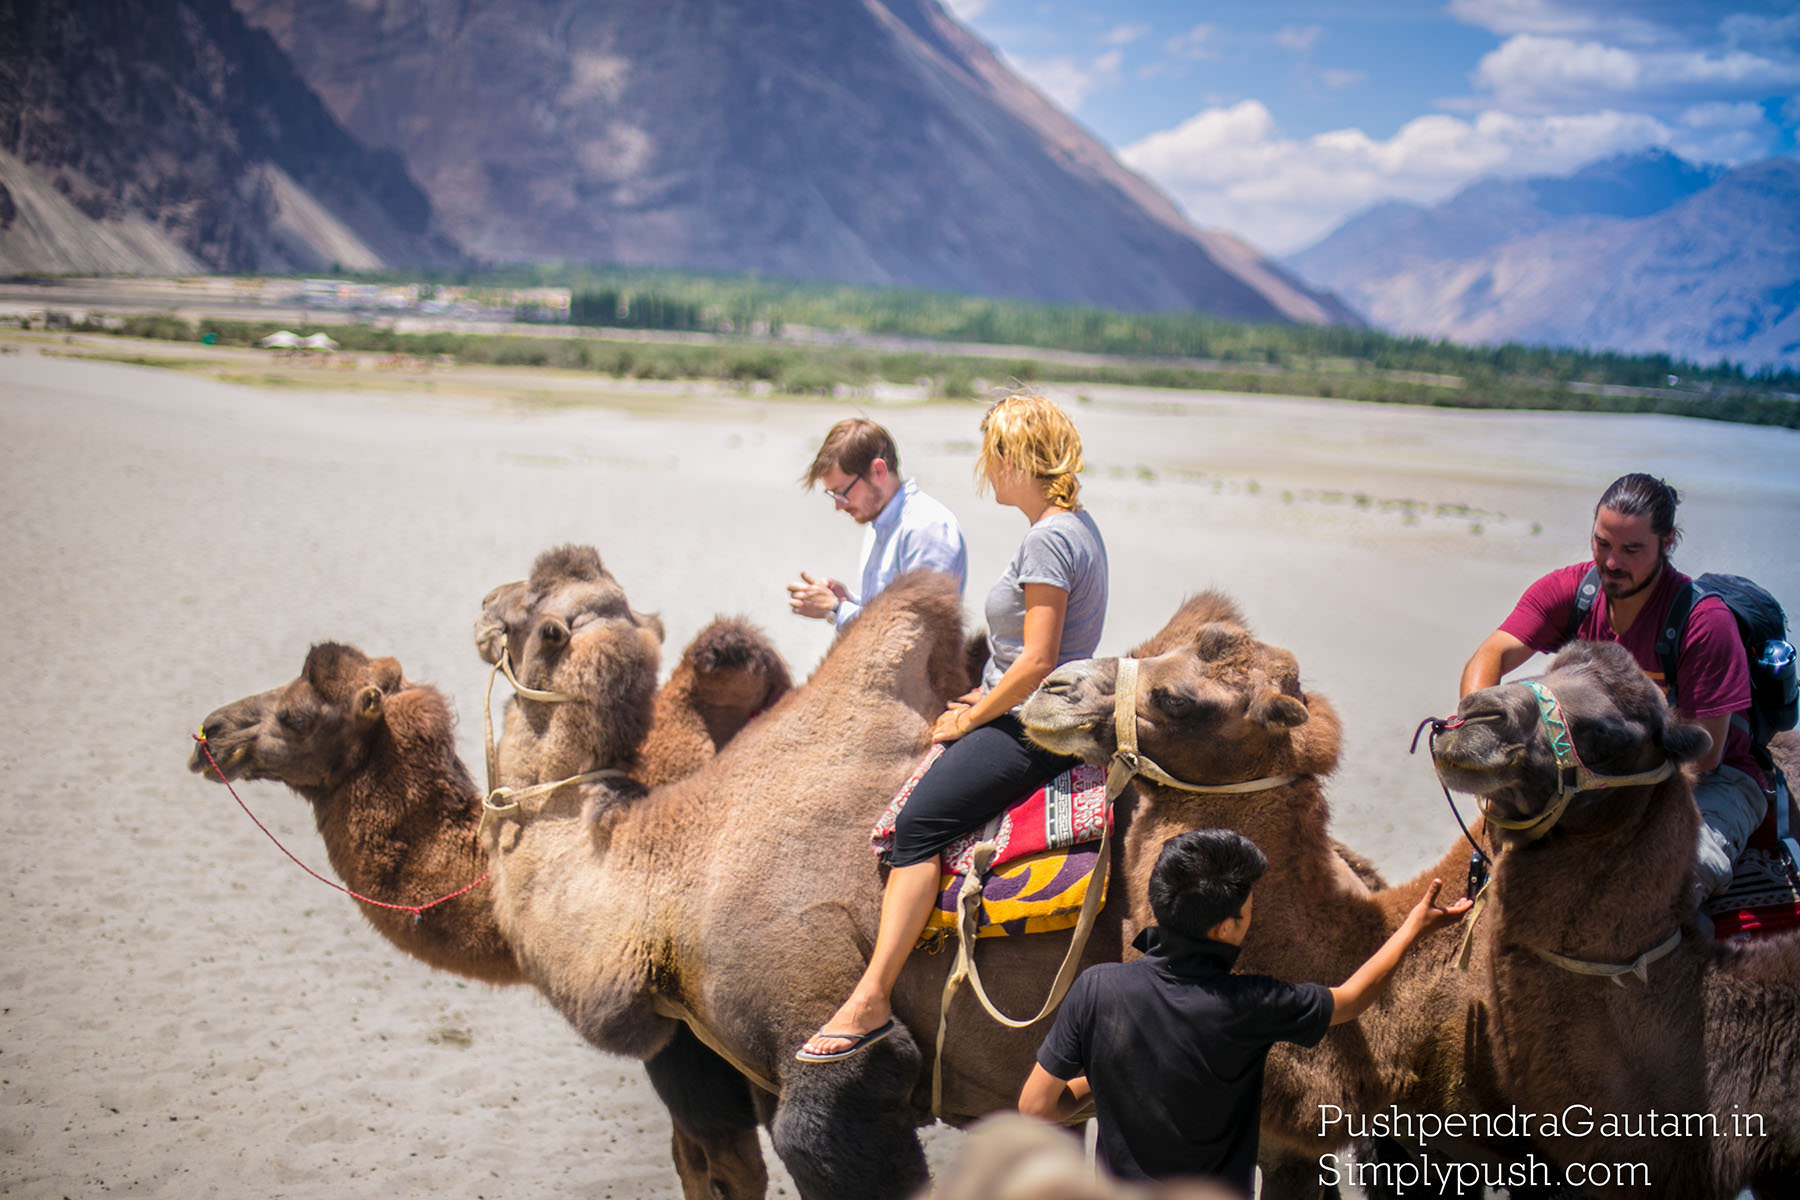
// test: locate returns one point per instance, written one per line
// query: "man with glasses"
(859, 468)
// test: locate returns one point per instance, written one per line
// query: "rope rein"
(415, 909)
(1573, 778)
(497, 802)
(1126, 763)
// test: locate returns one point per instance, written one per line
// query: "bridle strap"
(1127, 762)
(1639, 966)
(504, 801)
(1572, 775)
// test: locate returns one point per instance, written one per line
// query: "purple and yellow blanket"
(1046, 846)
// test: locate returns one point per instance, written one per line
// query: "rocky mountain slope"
(163, 136)
(868, 141)
(1642, 254)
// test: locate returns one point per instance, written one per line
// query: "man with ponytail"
(1634, 532)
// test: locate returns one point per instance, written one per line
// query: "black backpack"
(1774, 679)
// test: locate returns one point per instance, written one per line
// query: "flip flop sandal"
(858, 1042)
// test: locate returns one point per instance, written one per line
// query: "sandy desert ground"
(183, 1013)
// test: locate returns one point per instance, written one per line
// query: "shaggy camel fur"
(727, 675)
(1216, 706)
(559, 626)
(1711, 1030)
(743, 898)
(419, 808)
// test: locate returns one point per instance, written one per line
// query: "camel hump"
(735, 644)
(920, 610)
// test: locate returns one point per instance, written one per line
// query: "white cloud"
(1232, 168)
(1558, 18)
(1717, 114)
(1532, 72)
(1124, 35)
(1298, 38)
(1194, 43)
(1068, 81)
(966, 10)
(1750, 29)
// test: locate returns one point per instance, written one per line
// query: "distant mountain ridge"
(865, 141)
(168, 136)
(1642, 254)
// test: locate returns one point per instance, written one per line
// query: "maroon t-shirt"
(1713, 672)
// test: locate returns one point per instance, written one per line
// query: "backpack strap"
(1585, 593)
(1674, 627)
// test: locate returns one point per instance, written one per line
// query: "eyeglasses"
(843, 497)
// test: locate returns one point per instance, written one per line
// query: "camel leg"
(846, 1129)
(714, 1141)
(1287, 1176)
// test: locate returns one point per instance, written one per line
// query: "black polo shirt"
(1173, 1045)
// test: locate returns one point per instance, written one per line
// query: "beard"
(1622, 589)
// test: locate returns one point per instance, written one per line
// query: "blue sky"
(1277, 121)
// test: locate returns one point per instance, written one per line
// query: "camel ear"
(650, 621)
(368, 704)
(387, 674)
(490, 627)
(1685, 741)
(1278, 710)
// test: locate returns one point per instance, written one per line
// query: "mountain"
(167, 136)
(1642, 254)
(864, 141)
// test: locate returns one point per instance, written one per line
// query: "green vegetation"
(734, 323)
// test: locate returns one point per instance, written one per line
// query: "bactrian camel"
(1217, 709)
(1596, 987)
(741, 900)
(414, 831)
(557, 630)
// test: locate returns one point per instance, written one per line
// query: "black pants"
(977, 777)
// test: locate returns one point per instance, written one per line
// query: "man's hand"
(819, 598)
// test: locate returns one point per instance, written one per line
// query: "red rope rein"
(414, 909)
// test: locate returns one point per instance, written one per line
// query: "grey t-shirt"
(1064, 550)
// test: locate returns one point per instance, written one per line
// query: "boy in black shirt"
(1171, 1047)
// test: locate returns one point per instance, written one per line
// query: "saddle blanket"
(1046, 845)
(1762, 900)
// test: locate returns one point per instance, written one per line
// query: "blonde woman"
(1047, 608)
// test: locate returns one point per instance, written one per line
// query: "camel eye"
(293, 720)
(1173, 703)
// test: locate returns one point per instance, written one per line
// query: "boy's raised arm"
(1356, 993)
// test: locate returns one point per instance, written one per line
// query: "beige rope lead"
(1126, 763)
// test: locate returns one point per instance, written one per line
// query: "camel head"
(1500, 748)
(1213, 705)
(569, 629)
(309, 734)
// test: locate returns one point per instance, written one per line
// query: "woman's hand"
(952, 723)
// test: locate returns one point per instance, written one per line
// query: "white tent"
(281, 339)
(319, 341)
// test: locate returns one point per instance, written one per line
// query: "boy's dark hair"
(852, 446)
(1202, 877)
